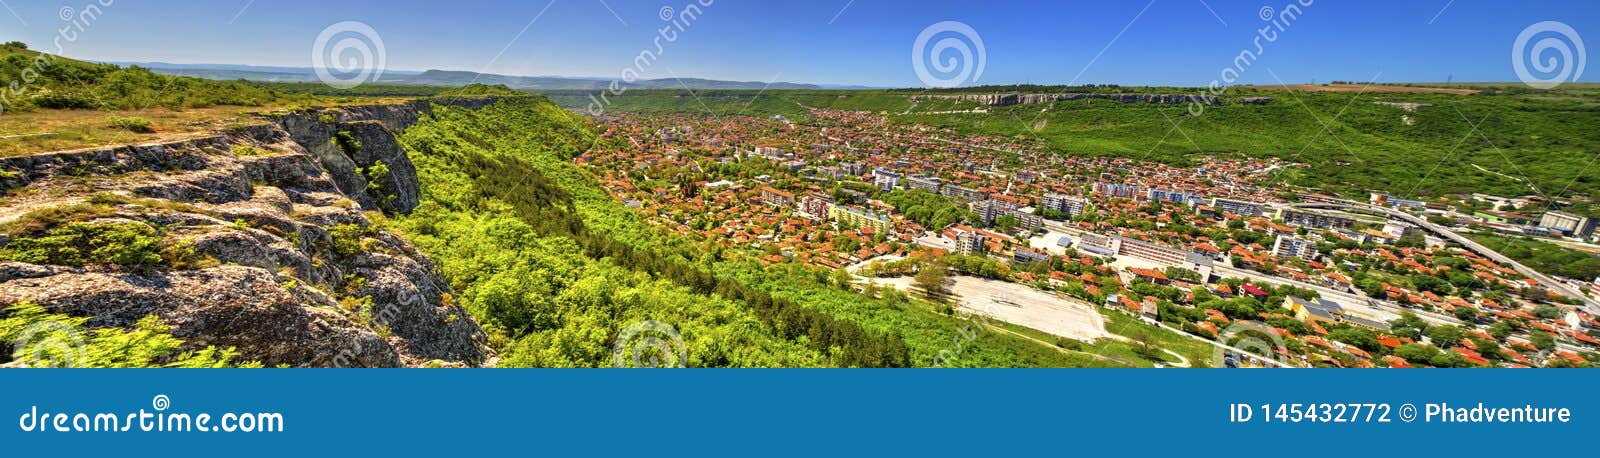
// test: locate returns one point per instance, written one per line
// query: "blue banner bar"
(796, 412)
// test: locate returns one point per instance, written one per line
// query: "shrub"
(131, 124)
(66, 101)
(247, 150)
(375, 175)
(148, 344)
(130, 245)
(347, 142)
(349, 239)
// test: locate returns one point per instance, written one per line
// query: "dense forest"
(1544, 256)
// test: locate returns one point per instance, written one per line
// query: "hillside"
(1525, 142)
(450, 231)
(54, 82)
(264, 242)
(556, 269)
(60, 103)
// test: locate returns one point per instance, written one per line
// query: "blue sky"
(1130, 42)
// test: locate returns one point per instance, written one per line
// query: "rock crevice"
(294, 271)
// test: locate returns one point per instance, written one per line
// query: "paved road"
(1224, 270)
(1475, 247)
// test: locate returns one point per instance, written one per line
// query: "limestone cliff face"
(293, 272)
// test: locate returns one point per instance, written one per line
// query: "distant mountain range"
(461, 78)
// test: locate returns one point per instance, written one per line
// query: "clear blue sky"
(1178, 42)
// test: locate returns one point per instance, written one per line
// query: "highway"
(1475, 247)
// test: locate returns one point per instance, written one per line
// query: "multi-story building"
(853, 168)
(1099, 245)
(1239, 207)
(1070, 206)
(1176, 197)
(775, 197)
(1400, 229)
(1027, 220)
(970, 242)
(962, 192)
(859, 218)
(885, 179)
(990, 210)
(1294, 247)
(1314, 219)
(986, 210)
(1024, 255)
(1574, 225)
(816, 205)
(1116, 190)
(769, 152)
(1164, 255)
(1006, 204)
(925, 183)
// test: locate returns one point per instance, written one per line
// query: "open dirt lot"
(1024, 306)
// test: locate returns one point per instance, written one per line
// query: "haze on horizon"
(844, 42)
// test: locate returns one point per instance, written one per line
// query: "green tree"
(930, 279)
(1501, 330)
(1547, 312)
(1542, 340)
(1445, 336)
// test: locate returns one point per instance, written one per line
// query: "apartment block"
(1315, 220)
(1239, 207)
(1294, 247)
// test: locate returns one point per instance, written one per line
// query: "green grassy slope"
(52, 82)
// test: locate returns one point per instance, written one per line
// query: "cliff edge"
(267, 238)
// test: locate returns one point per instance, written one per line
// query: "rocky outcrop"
(998, 100)
(368, 140)
(290, 269)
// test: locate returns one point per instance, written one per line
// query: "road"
(1475, 247)
(1343, 297)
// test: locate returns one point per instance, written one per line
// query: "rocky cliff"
(270, 240)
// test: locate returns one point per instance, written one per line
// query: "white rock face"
(274, 227)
